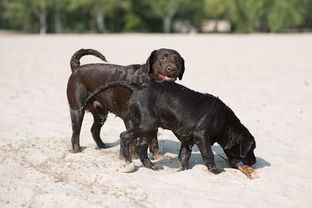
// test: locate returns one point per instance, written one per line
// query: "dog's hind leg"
(76, 120)
(99, 118)
(128, 124)
(153, 145)
(126, 138)
(184, 155)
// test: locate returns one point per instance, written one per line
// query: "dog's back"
(180, 108)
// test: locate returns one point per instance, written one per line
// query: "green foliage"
(215, 9)
(133, 22)
(285, 14)
(244, 14)
(152, 16)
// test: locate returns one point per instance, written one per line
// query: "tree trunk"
(43, 21)
(168, 18)
(100, 23)
(41, 14)
(167, 24)
(57, 17)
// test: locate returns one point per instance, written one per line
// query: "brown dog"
(162, 64)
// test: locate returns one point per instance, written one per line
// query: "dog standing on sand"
(194, 118)
(162, 64)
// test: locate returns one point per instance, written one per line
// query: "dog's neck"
(144, 76)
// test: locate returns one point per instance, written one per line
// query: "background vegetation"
(66, 16)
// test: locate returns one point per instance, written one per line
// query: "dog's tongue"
(163, 77)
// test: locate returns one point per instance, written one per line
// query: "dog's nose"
(171, 69)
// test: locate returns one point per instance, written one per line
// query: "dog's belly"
(115, 101)
(185, 138)
(183, 133)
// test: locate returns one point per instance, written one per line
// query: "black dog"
(162, 64)
(195, 118)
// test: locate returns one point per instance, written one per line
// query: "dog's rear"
(123, 84)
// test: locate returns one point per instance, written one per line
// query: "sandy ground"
(265, 79)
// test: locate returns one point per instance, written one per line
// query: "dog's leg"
(184, 156)
(141, 148)
(153, 145)
(128, 124)
(206, 153)
(99, 119)
(126, 138)
(76, 119)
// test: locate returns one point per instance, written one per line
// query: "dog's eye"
(163, 58)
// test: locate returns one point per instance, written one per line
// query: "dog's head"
(241, 149)
(166, 64)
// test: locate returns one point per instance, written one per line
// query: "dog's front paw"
(157, 167)
(217, 170)
(76, 149)
(127, 167)
(182, 167)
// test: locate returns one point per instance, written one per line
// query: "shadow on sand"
(172, 147)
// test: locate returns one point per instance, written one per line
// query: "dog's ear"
(182, 69)
(245, 146)
(232, 138)
(150, 61)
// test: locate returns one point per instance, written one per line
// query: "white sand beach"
(266, 79)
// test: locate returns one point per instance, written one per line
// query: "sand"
(265, 79)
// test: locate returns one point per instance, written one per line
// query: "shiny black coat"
(194, 117)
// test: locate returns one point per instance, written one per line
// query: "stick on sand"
(247, 170)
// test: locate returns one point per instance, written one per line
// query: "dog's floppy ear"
(244, 146)
(182, 69)
(231, 139)
(150, 62)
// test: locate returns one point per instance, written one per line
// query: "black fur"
(195, 118)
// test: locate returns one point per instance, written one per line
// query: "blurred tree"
(39, 8)
(285, 14)
(307, 13)
(98, 10)
(14, 11)
(243, 14)
(152, 16)
(141, 18)
(166, 9)
(57, 15)
(215, 9)
(21, 14)
(192, 12)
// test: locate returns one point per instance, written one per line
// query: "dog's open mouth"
(166, 78)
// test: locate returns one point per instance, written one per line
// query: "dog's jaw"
(166, 78)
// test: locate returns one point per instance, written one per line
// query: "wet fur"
(87, 78)
(194, 117)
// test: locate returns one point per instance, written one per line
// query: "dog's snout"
(171, 69)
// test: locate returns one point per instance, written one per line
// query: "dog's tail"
(74, 61)
(123, 84)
